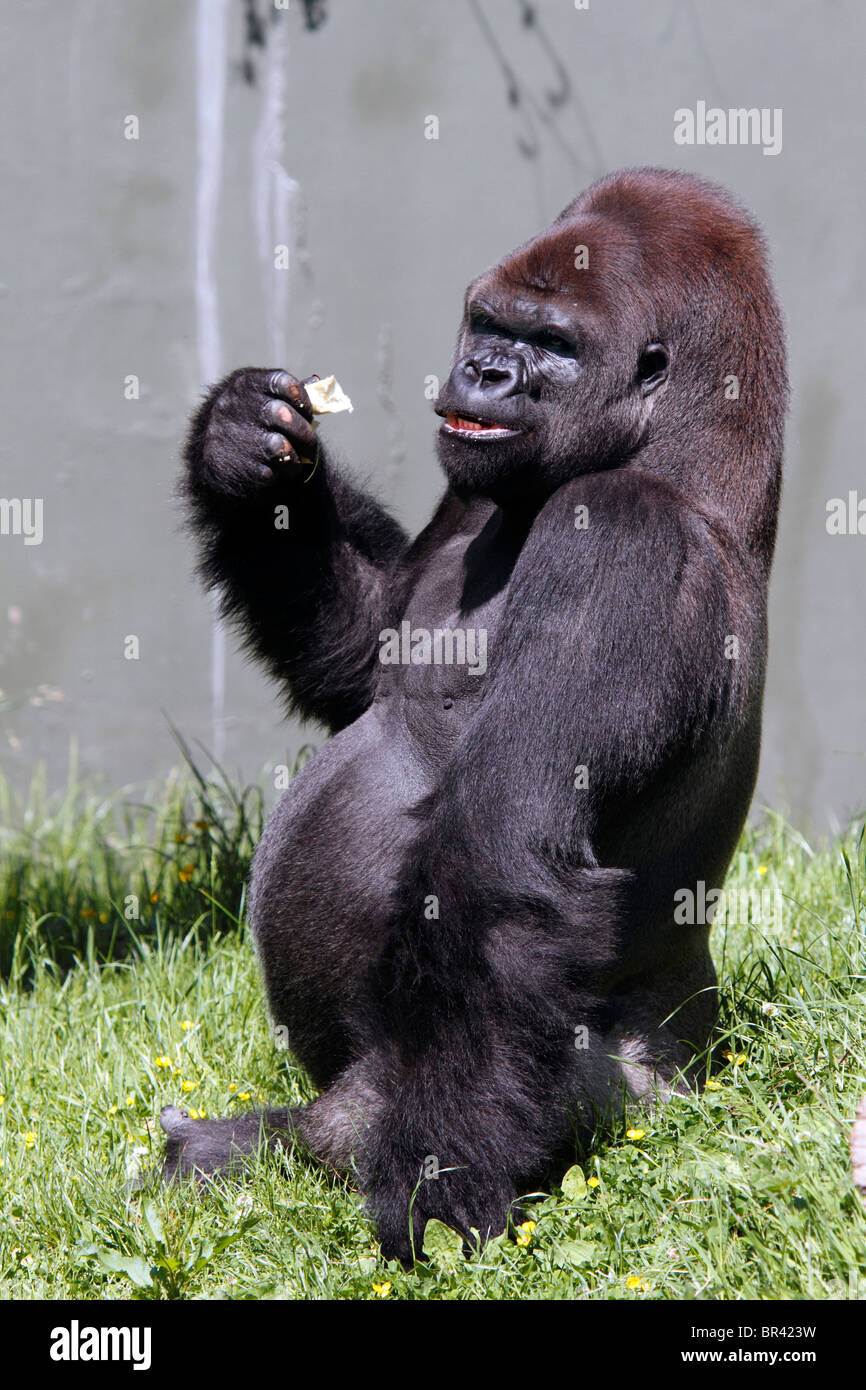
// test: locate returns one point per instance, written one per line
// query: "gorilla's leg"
(205, 1147)
(330, 1129)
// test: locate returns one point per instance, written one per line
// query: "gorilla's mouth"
(477, 427)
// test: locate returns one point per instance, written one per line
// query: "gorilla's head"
(616, 328)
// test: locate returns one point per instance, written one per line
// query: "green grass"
(742, 1191)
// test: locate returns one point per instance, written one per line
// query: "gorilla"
(464, 905)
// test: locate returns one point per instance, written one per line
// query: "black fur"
(452, 1037)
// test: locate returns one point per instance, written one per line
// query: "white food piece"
(327, 396)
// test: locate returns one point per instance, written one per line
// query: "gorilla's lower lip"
(477, 428)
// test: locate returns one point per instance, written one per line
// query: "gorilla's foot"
(203, 1148)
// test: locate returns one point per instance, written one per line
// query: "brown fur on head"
(644, 259)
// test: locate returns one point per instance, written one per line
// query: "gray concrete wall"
(121, 257)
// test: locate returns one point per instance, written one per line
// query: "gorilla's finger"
(277, 447)
(288, 387)
(280, 416)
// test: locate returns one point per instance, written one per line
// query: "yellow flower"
(524, 1232)
(187, 1024)
(233, 1085)
(189, 1085)
(112, 1109)
(30, 1138)
(762, 869)
(635, 1133)
(193, 1114)
(728, 1056)
(202, 1114)
(634, 1283)
(130, 1099)
(2, 1100)
(163, 1061)
(154, 897)
(741, 1059)
(244, 1095)
(382, 1290)
(713, 1086)
(592, 1182)
(186, 872)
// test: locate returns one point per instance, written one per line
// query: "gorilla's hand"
(253, 432)
(476, 1204)
(309, 600)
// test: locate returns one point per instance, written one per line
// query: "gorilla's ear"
(652, 367)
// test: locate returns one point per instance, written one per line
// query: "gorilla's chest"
(436, 662)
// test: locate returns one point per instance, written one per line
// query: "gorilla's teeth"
(459, 422)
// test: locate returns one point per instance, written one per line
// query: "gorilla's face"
(550, 378)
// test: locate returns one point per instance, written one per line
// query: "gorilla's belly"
(328, 857)
(326, 869)
(324, 874)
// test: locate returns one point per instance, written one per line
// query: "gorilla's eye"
(552, 341)
(483, 323)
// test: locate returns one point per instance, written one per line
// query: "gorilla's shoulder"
(619, 509)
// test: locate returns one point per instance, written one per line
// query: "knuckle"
(238, 382)
(276, 446)
(280, 383)
(277, 414)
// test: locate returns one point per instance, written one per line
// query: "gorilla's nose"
(495, 376)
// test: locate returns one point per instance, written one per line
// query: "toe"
(174, 1121)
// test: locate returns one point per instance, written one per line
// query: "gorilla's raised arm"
(301, 556)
